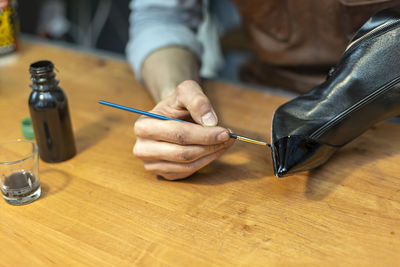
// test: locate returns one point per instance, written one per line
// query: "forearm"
(167, 67)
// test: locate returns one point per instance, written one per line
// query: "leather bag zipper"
(383, 27)
(383, 89)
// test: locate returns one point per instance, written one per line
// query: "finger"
(151, 150)
(183, 133)
(190, 96)
(170, 110)
(176, 170)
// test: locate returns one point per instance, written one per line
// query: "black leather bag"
(362, 89)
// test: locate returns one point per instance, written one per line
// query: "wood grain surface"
(102, 208)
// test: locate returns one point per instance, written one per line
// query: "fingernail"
(224, 136)
(209, 119)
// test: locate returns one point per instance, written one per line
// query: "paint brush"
(160, 117)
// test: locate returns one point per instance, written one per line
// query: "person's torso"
(305, 32)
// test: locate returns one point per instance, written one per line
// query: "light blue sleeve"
(160, 23)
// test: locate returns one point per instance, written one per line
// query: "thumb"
(191, 96)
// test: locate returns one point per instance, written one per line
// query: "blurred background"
(100, 24)
(104, 25)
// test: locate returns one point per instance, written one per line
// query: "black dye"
(19, 184)
(49, 111)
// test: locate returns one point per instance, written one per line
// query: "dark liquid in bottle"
(19, 184)
(52, 125)
(51, 121)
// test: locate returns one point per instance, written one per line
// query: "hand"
(174, 149)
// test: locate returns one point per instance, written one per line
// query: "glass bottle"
(51, 121)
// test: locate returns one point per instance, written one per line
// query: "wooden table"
(102, 208)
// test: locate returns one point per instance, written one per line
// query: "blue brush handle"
(149, 114)
(138, 111)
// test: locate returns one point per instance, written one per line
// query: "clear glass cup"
(19, 171)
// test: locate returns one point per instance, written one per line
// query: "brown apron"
(297, 41)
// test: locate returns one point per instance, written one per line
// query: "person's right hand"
(174, 149)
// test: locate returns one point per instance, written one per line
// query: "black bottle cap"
(41, 67)
(42, 75)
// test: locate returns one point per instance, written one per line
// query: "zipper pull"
(331, 72)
